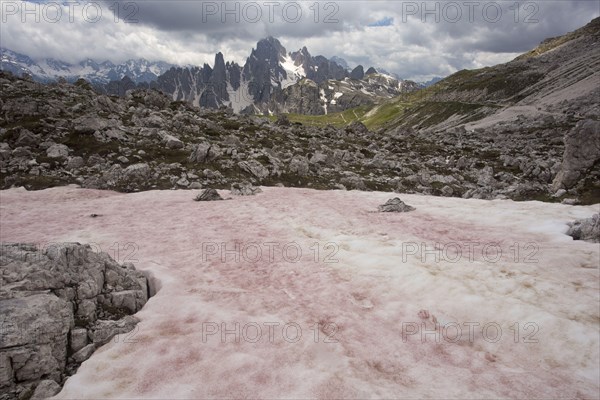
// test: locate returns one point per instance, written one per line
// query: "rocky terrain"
(57, 305)
(61, 133)
(525, 130)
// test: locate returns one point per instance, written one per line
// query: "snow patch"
(294, 72)
(350, 300)
(323, 99)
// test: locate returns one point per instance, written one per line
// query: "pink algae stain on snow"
(351, 313)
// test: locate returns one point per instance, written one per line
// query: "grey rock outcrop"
(52, 302)
(395, 205)
(586, 229)
(582, 150)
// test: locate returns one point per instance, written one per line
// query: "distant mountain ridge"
(47, 70)
(270, 81)
(275, 81)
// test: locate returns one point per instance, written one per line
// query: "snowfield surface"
(310, 327)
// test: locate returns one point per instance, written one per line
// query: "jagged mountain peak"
(275, 81)
(269, 49)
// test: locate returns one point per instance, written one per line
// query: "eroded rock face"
(57, 305)
(582, 150)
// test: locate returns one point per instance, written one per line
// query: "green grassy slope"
(465, 96)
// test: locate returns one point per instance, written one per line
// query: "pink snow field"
(297, 293)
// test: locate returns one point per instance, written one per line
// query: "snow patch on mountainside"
(294, 72)
(345, 305)
(323, 99)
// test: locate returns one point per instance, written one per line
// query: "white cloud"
(188, 32)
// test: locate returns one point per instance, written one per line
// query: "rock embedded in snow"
(570, 201)
(209, 195)
(395, 205)
(50, 302)
(586, 229)
(35, 328)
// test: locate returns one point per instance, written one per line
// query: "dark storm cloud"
(238, 19)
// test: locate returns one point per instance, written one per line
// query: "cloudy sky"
(415, 39)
